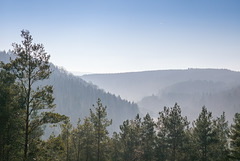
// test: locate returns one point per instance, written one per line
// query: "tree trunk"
(26, 134)
(99, 117)
(27, 112)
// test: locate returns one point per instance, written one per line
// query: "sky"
(114, 36)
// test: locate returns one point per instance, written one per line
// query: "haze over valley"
(217, 89)
(120, 80)
(127, 94)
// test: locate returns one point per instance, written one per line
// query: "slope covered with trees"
(74, 97)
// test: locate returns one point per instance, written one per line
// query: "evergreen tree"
(76, 141)
(115, 147)
(221, 150)
(52, 149)
(235, 138)
(171, 135)
(131, 139)
(126, 140)
(31, 66)
(136, 138)
(148, 138)
(204, 135)
(88, 141)
(100, 123)
(190, 147)
(65, 135)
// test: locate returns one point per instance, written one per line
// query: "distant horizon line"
(78, 73)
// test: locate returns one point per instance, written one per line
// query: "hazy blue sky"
(128, 35)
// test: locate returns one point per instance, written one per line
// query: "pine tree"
(115, 147)
(190, 147)
(148, 138)
(76, 141)
(221, 151)
(65, 135)
(171, 135)
(126, 140)
(131, 139)
(88, 141)
(100, 124)
(136, 138)
(52, 149)
(235, 138)
(204, 135)
(31, 66)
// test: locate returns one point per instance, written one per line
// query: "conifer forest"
(27, 107)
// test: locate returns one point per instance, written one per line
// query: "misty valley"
(47, 113)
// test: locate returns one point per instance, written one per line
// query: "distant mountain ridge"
(141, 84)
(74, 97)
(217, 89)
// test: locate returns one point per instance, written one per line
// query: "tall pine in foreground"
(100, 123)
(30, 66)
(235, 138)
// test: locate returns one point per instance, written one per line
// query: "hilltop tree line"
(26, 107)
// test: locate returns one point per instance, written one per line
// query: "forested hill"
(74, 97)
(134, 86)
(217, 89)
